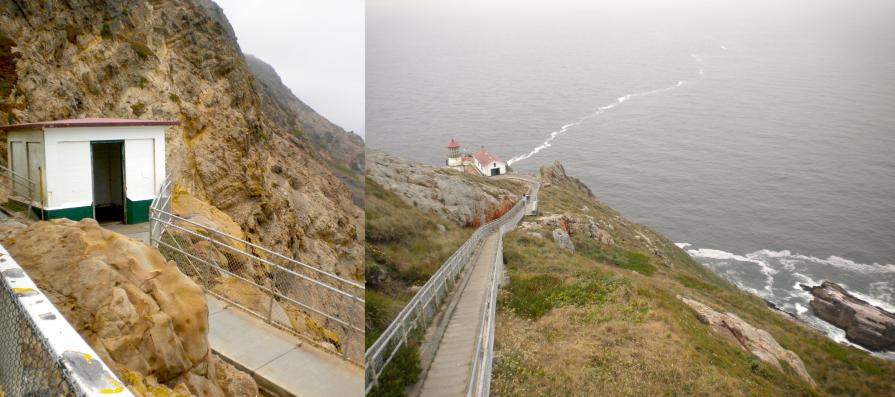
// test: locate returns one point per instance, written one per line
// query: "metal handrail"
(21, 179)
(348, 297)
(480, 372)
(265, 261)
(395, 335)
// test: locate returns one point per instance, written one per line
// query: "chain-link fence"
(421, 309)
(21, 193)
(323, 307)
(40, 353)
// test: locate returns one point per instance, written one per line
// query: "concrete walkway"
(281, 363)
(139, 231)
(449, 373)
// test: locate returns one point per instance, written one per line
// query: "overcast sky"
(316, 46)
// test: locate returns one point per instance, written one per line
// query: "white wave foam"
(872, 300)
(682, 245)
(833, 261)
(800, 310)
(600, 110)
(764, 267)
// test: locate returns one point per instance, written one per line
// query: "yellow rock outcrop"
(147, 320)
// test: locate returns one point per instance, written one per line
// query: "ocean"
(759, 136)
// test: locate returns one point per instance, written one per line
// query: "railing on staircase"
(19, 188)
(421, 309)
(320, 306)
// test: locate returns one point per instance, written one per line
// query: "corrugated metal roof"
(88, 122)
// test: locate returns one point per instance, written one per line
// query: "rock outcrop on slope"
(147, 320)
(448, 193)
(864, 324)
(179, 59)
(342, 150)
(556, 174)
(754, 340)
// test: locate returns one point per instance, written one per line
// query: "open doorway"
(108, 181)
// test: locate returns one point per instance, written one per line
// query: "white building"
(488, 163)
(107, 169)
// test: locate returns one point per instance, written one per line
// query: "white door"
(35, 167)
(19, 168)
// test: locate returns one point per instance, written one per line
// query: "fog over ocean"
(759, 136)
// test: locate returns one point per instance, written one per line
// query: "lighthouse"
(454, 159)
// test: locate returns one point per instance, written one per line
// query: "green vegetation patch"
(142, 50)
(404, 370)
(626, 259)
(138, 108)
(534, 296)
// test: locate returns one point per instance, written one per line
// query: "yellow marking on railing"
(22, 291)
(117, 388)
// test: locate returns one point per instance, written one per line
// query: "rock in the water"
(754, 340)
(562, 238)
(864, 324)
(146, 319)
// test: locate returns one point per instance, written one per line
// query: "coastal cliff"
(599, 305)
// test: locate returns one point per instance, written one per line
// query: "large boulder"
(562, 238)
(754, 340)
(864, 324)
(146, 319)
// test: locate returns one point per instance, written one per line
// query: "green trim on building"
(74, 213)
(138, 211)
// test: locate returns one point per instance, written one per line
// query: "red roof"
(91, 122)
(485, 157)
(453, 144)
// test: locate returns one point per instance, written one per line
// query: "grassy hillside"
(404, 247)
(605, 320)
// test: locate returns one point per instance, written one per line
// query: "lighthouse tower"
(454, 159)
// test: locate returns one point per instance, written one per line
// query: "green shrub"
(106, 31)
(404, 370)
(138, 108)
(534, 296)
(627, 259)
(142, 50)
(530, 297)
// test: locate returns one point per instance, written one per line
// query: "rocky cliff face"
(342, 150)
(147, 320)
(178, 59)
(864, 324)
(449, 194)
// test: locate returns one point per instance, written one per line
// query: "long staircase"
(451, 370)
(465, 289)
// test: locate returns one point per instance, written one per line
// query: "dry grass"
(638, 339)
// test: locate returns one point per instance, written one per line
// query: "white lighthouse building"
(454, 158)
